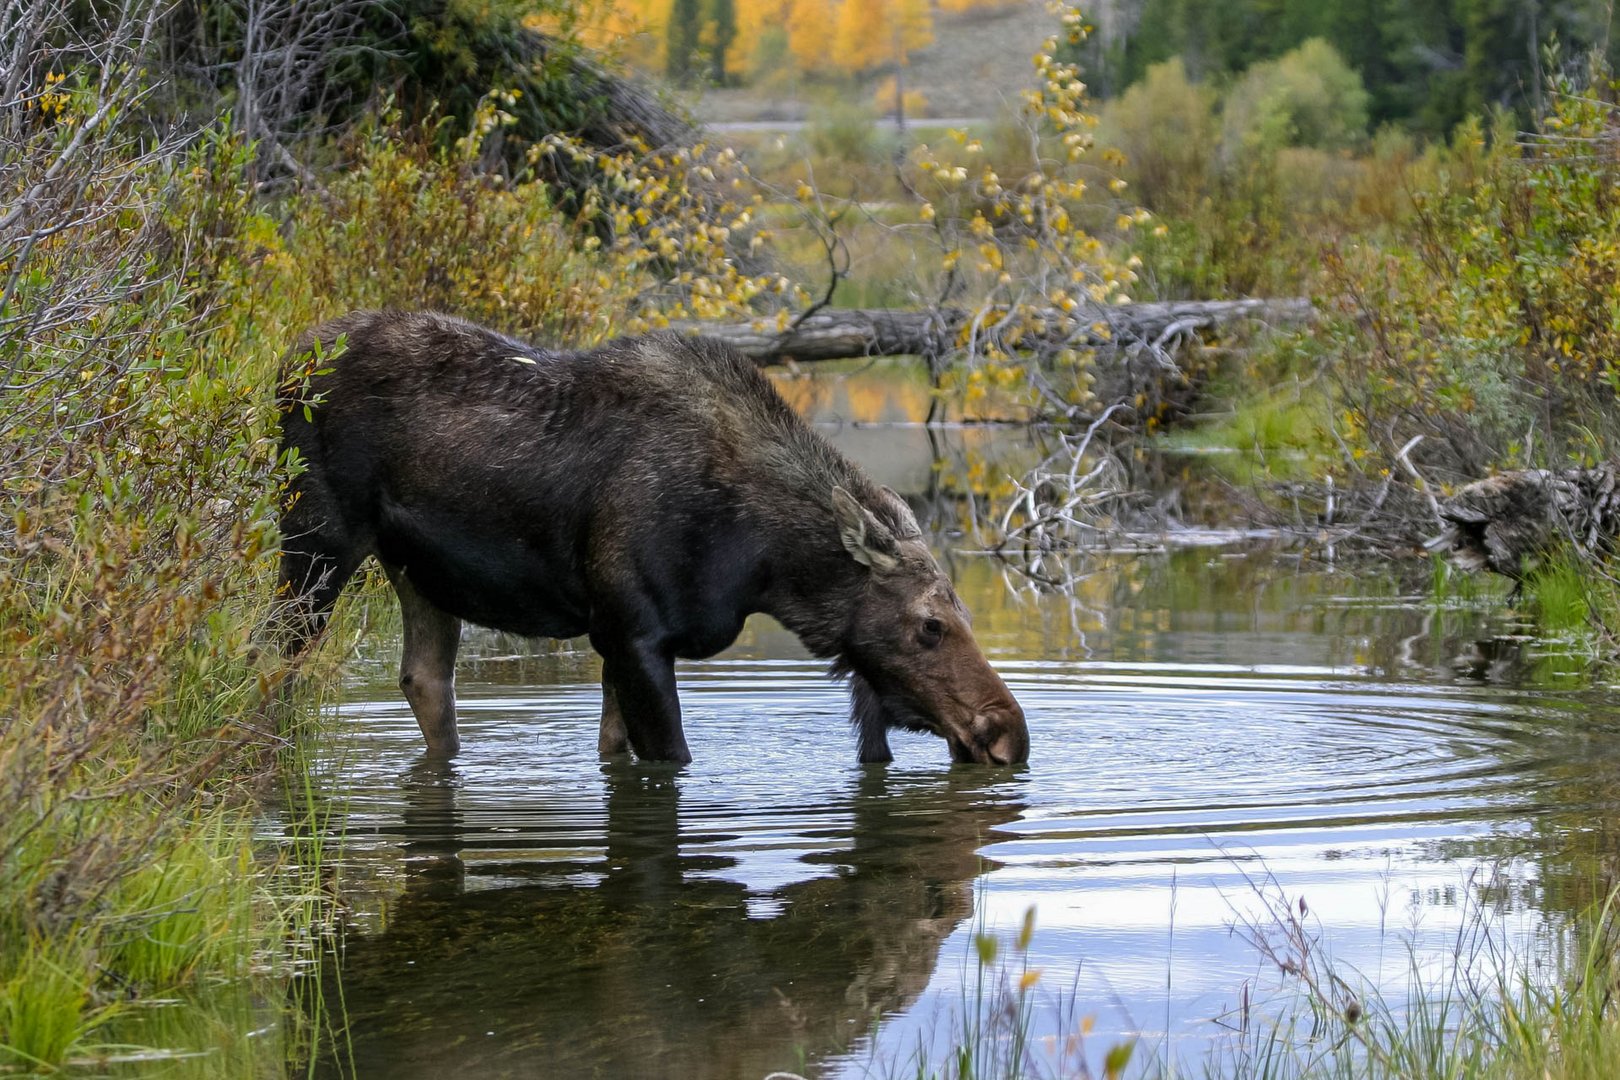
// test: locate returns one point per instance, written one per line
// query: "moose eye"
(932, 631)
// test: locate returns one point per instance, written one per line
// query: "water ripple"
(784, 884)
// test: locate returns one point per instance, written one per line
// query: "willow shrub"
(1490, 326)
(139, 479)
(414, 223)
(137, 525)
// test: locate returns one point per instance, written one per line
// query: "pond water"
(1210, 727)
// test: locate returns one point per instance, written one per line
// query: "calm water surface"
(1209, 726)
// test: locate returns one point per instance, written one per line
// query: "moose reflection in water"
(632, 955)
(651, 494)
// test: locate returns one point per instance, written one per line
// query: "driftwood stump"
(1498, 523)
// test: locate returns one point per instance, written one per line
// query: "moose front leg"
(638, 677)
(871, 726)
(427, 667)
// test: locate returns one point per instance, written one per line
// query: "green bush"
(844, 129)
(139, 480)
(1490, 325)
(414, 225)
(1307, 97)
(1167, 129)
(137, 515)
(1246, 184)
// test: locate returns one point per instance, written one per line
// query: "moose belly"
(486, 577)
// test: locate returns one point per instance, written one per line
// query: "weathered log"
(846, 333)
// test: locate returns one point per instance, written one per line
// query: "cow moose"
(650, 493)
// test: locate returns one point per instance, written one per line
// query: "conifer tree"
(682, 40)
(723, 23)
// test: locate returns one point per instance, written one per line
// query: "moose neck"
(814, 583)
(785, 486)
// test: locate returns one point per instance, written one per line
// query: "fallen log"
(850, 333)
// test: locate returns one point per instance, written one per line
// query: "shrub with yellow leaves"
(1490, 328)
(1018, 248)
(681, 225)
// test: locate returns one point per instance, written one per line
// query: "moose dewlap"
(650, 493)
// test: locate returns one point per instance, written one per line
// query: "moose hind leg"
(310, 584)
(613, 737)
(319, 555)
(427, 668)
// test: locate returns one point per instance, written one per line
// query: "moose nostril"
(1011, 743)
(995, 735)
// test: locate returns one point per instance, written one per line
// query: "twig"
(1417, 478)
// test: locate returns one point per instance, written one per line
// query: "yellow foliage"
(860, 37)
(754, 19)
(840, 35)
(914, 102)
(663, 212)
(611, 26)
(1493, 334)
(871, 33)
(811, 30)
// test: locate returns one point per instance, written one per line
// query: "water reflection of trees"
(641, 958)
(1563, 754)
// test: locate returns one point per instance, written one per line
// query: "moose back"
(650, 493)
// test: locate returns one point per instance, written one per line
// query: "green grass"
(1448, 584)
(1565, 596)
(46, 1002)
(1282, 435)
(189, 912)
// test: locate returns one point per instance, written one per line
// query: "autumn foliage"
(820, 36)
(1489, 327)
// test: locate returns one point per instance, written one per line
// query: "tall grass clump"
(1563, 597)
(45, 1004)
(993, 1030)
(1575, 600)
(1488, 1006)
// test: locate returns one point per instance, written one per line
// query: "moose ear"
(903, 521)
(866, 538)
